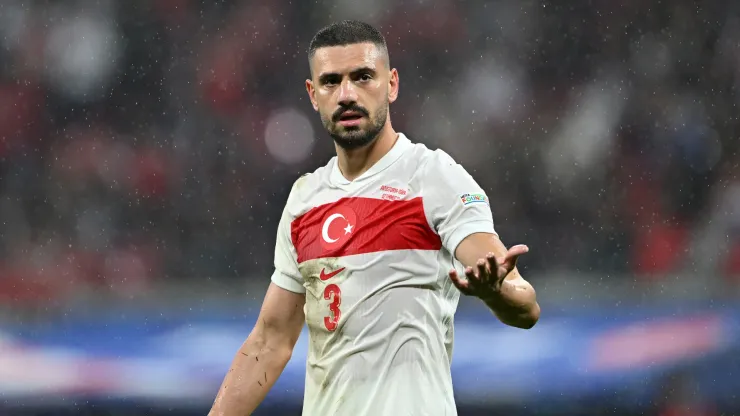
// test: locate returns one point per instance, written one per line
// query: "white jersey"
(372, 256)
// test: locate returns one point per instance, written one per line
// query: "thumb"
(512, 255)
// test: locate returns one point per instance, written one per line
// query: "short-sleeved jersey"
(372, 256)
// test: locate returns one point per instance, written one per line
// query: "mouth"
(350, 119)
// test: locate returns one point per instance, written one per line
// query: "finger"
(512, 256)
(462, 286)
(472, 276)
(483, 270)
(497, 266)
(493, 262)
(517, 250)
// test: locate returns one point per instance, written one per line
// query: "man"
(368, 254)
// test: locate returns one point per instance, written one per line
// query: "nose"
(347, 93)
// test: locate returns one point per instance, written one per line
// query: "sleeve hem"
(286, 282)
(466, 229)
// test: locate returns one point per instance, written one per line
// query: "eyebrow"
(323, 78)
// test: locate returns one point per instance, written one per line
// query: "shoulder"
(431, 163)
(308, 185)
(441, 175)
(424, 160)
(439, 159)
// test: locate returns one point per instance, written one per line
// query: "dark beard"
(355, 138)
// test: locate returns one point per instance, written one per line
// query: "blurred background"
(147, 149)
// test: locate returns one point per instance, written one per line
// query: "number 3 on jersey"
(333, 294)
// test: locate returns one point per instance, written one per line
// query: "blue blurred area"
(602, 355)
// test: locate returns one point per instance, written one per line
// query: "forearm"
(515, 304)
(255, 369)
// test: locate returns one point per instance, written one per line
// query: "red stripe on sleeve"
(362, 225)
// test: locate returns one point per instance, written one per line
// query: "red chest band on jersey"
(362, 225)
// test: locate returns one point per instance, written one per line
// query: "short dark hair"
(347, 32)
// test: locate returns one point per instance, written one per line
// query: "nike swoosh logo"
(327, 276)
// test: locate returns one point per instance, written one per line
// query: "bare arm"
(264, 354)
(500, 286)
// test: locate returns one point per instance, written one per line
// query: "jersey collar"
(402, 144)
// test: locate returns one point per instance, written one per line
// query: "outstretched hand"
(487, 277)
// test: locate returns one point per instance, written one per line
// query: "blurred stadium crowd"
(143, 141)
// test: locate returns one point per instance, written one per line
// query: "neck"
(355, 162)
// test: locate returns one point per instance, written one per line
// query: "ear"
(393, 86)
(312, 94)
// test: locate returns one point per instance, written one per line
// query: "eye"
(330, 80)
(365, 77)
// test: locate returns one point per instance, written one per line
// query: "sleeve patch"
(468, 199)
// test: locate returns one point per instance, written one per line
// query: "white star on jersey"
(381, 329)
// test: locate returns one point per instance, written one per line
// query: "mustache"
(356, 108)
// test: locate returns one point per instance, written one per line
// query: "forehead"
(346, 58)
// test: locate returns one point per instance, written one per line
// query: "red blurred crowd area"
(133, 150)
